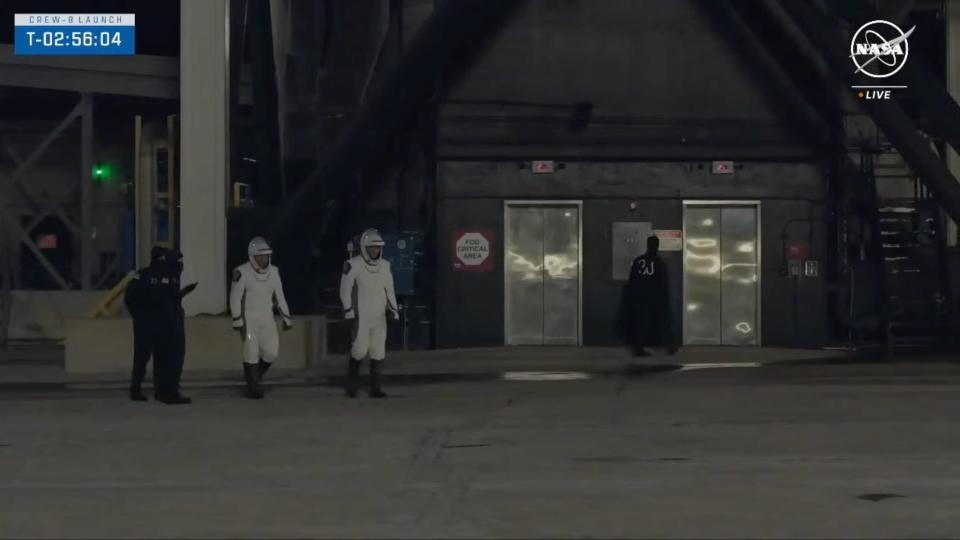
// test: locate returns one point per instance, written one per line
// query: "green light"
(102, 172)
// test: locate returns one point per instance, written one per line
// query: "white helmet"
(259, 246)
(371, 238)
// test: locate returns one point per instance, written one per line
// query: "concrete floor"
(778, 452)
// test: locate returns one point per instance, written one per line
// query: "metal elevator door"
(542, 285)
(720, 275)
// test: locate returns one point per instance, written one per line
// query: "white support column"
(204, 151)
(953, 86)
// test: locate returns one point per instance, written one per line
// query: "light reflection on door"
(720, 275)
(542, 286)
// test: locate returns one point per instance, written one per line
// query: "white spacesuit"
(254, 295)
(367, 295)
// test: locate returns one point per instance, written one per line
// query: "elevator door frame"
(506, 294)
(726, 204)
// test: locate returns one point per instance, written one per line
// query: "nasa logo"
(879, 49)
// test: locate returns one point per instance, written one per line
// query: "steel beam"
(813, 114)
(953, 86)
(453, 26)
(941, 113)
(887, 114)
(49, 206)
(47, 141)
(32, 246)
(86, 192)
(899, 12)
(138, 75)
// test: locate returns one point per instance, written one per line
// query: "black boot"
(353, 376)
(253, 384)
(262, 368)
(376, 368)
(136, 394)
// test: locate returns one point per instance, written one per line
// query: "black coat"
(645, 300)
(153, 298)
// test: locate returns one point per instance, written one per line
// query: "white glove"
(349, 314)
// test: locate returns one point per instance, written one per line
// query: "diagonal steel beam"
(454, 26)
(32, 246)
(887, 114)
(737, 21)
(24, 165)
(941, 112)
(899, 13)
(47, 141)
(49, 206)
(41, 209)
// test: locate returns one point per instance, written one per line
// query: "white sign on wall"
(629, 242)
(670, 239)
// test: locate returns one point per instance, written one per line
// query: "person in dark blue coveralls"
(153, 300)
(644, 317)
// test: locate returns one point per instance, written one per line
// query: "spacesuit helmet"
(259, 252)
(371, 246)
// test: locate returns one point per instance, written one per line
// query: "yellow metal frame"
(105, 307)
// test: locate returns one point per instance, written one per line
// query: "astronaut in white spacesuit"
(255, 294)
(367, 295)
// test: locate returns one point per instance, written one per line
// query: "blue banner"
(75, 40)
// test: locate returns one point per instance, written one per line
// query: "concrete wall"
(665, 79)
(42, 315)
(470, 305)
(104, 347)
(648, 57)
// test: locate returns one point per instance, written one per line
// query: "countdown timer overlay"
(87, 34)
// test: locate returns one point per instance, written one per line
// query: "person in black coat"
(153, 300)
(644, 317)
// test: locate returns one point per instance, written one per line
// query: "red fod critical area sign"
(473, 250)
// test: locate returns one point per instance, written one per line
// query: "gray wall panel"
(469, 304)
(481, 323)
(613, 180)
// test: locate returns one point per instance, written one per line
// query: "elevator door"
(542, 287)
(720, 275)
